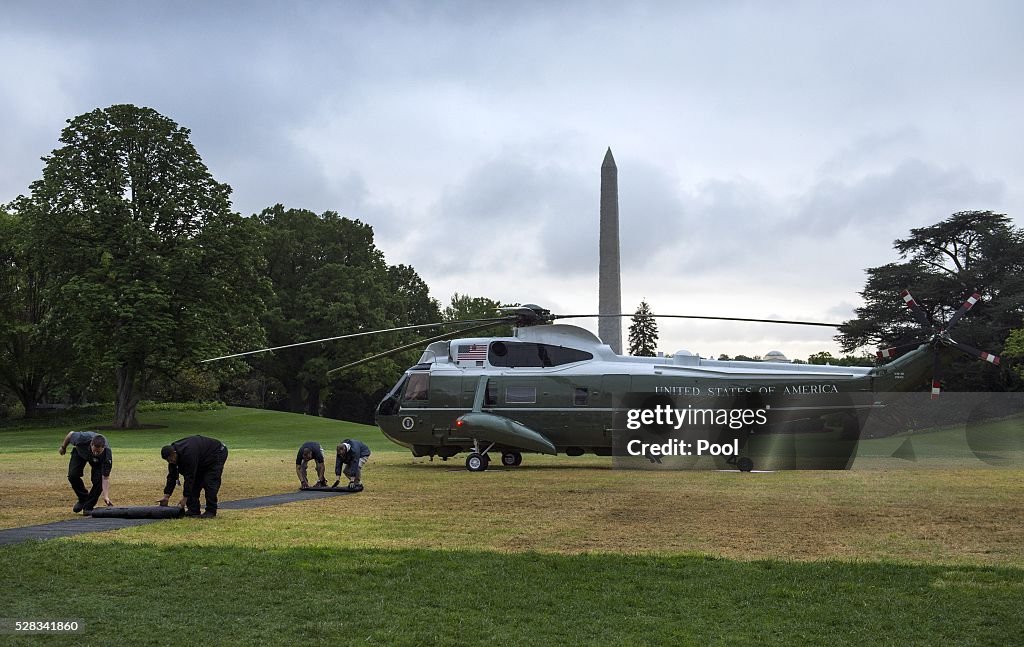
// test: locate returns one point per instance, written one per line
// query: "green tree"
(152, 269)
(29, 350)
(464, 307)
(824, 357)
(1014, 351)
(643, 332)
(330, 279)
(942, 265)
(821, 358)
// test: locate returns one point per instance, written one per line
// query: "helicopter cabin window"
(418, 388)
(491, 394)
(532, 355)
(520, 394)
(581, 396)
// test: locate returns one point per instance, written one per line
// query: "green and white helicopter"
(553, 388)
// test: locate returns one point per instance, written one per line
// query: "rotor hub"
(529, 314)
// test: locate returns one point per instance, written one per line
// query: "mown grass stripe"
(141, 594)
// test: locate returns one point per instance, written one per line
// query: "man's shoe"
(78, 507)
(192, 513)
(87, 511)
(208, 515)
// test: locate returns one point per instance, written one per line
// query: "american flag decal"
(471, 352)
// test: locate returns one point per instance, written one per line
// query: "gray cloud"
(901, 195)
(765, 148)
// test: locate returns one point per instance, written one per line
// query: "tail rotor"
(939, 337)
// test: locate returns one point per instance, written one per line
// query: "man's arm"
(108, 464)
(64, 445)
(172, 480)
(298, 472)
(337, 465)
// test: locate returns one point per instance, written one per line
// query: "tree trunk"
(127, 399)
(296, 403)
(29, 404)
(313, 400)
(30, 392)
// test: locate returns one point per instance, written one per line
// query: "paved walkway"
(80, 525)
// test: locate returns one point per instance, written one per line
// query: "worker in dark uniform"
(88, 447)
(200, 461)
(353, 454)
(310, 452)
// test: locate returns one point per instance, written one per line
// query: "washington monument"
(609, 302)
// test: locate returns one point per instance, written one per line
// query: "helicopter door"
(469, 387)
(614, 389)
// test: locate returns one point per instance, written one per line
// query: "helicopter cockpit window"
(532, 355)
(418, 387)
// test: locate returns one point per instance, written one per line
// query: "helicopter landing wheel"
(476, 462)
(511, 459)
(745, 464)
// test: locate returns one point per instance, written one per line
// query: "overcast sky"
(768, 152)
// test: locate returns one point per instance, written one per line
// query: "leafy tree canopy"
(30, 349)
(942, 265)
(464, 307)
(824, 357)
(152, 269)
(330, 279)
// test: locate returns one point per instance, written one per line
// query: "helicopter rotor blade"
(360, 334)
(936, 375)
(915, 308)
(968, 304)
(974, 352)
(655, 316)
(415, 344)
(896, 351)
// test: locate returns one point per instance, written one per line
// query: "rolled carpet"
(141, 512)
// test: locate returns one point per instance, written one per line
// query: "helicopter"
(554, 388)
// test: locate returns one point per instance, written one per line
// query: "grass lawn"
(236, 595)
(558, 550)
